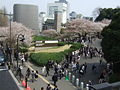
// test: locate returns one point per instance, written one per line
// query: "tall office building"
(61, 6)
(27, 15)
(73, 15)
(62, 1)
(42, 19)
(58, 21)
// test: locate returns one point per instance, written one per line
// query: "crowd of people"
(34, 76)
(72, 63)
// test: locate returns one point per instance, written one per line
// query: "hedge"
(40, 38)
(114, 78)
(42, 58)
(61, 43)
(76, 46)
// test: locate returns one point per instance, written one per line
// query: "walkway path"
(90, 75)
(62, 84)
(52, 49)
(43, 81)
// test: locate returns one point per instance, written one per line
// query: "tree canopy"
(16, 29)
(111, 42)
(83, 25)
(107, 13)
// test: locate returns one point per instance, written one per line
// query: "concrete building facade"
(58, 6)
(74, 15)
(42, 19)
(58, 21)
(27, 15)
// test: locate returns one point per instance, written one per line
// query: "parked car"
(2, 58)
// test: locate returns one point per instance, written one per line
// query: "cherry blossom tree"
(83, 25)
(50, 33)
(16, 29)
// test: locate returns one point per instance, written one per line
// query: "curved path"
(54, 49)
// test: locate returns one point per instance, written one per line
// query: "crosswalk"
(3, 69)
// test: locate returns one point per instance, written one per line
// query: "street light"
(10, 15)
(19, 38)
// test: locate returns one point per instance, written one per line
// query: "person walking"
(19, 71)
(85, 67)
(33, 76)
(94, 67)
(28, 72)
(101, 78)
(26, 57)
(26, 80)
(47, 70)
(55, 78)
(56, 88)
(42, 88)
(43, 70)
(36, 74)
(48, 87)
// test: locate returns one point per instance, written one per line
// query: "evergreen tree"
(111, 42)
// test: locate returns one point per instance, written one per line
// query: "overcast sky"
(85, 7)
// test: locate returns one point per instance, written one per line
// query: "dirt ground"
(57, 49)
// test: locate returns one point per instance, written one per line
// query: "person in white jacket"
(43, 70)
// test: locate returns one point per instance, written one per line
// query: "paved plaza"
(62, 84)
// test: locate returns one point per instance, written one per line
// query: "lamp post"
(10, 15)
(19, 39)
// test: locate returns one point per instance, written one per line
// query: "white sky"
(85, 7)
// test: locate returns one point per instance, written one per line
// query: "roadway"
(6, 80)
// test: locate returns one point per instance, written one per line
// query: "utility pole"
(22, 39)
(10, 40)
(10, 49)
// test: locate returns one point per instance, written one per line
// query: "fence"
(82, 86)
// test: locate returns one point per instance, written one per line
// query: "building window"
(52, 9)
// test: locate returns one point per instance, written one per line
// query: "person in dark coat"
(55, 78)
(94, 67)
(56, 88)
(26, 80)
(48, 87)
(28, 72)
(42, 88)
(47, 70)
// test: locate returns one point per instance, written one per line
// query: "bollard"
(82, 85)
(66, 78)
(70, 76)
(73, 79)
(77, 82)
(66, 73)
(87, 86)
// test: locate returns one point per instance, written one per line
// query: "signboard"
(54, 41)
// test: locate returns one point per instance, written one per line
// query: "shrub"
(61, 43)
(76, 46)
(114, 78)
(42, 58)
(40, 38)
